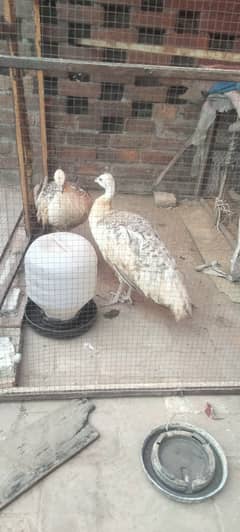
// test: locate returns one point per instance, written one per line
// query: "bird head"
(60, 178)
(107, 182)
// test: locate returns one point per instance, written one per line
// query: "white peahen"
(135, 251)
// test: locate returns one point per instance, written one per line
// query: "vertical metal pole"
(40, 77)
(22, 133)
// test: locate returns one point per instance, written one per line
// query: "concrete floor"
(143, 345)
(104, 488)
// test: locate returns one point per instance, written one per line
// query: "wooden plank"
(12, 258)
(213, 55)
(41, 447)
(21, 124)
(41, 93)
(212, 245)
(71, 65)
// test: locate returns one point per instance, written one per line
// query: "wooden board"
(212, 245)
(42, 447)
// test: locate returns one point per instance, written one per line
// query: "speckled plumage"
(62, 204)
(136, 252)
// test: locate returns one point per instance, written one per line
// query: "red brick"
(141, 187)
(148, 58)
(133, 171)
(156, 157)
(74, 122)
(140, 126)
(166, 145)
(80, 52)
(90, 169)
(164, 20)
(211, 64)
(219, 22)
(103, 140)
(85, 14)
(191, 5)
(224, 6)
(5, 85)
(182, 131)
(134, 179)
(4, 47)
(121, 155)
(150, 94)
(111, 108)
(74, 88)
(6, 101)
(236, 48)
(7, 117)
(164, 112)
(32, 103)
(132, 3)
(116, 34)
(187, 40)
(35, 136)
(112, 74)
(81, 154)
(7, 131)
(130, 141)
(54, 32)
(81, 139)
(6, 146)
(33, 119)
(7, 162)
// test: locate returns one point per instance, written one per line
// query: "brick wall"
(132, 122)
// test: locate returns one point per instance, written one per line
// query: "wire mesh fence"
(104, 94)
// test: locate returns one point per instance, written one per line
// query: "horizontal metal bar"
(71, 65)
(116, 390)
(215, 55)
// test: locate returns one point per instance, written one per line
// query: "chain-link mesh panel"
(170, 140)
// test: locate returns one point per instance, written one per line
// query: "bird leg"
(119, 297)
(126, 298)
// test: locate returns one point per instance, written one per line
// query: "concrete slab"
(41, 447)
(106, 489)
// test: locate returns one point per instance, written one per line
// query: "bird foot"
(113, 301)
(126, 298)
(118, 298)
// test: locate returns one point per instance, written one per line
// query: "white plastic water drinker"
(61, 274)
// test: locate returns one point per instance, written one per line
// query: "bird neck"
(109, 192)
(60, 180)
(101, 207)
